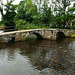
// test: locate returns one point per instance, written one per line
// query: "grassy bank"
(72, 35)
(1, 27)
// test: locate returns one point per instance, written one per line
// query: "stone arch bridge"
(40, 33)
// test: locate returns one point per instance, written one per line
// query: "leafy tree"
(27, 11)
(71, 15)
(1, 7)
(8, 17)
(20, 22)
(60, 9)
(45, 13)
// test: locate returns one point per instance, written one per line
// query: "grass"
(1, 27)
(72, 35)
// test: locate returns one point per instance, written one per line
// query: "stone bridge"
(40, 33)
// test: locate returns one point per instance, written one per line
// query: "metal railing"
(27, 26)
(31, 26)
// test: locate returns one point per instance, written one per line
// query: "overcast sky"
(15, 2)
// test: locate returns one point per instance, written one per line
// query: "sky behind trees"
(17, 2)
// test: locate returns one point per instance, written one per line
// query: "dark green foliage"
(64, 14)
(47, 16)
(58, 15)
(8, 17)
(27, 12)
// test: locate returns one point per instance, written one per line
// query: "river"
(38, 57)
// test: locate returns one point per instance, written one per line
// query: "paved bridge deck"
(20, 31)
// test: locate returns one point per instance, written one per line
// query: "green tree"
(1, 7)
(47, 13)
(71, 15)
(61, 9)
(8, 17)
(27, 11)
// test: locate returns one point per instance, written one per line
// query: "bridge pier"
(49, 34)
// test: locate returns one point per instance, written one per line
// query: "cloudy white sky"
(17, 2)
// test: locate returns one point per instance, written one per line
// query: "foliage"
(58, 13)
(60, 10)
(20, 22)
(47, 16)
(8, 17)
(27, 11)
(32, 26)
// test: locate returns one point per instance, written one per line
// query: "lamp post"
(41, 16)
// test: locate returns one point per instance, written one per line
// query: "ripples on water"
(38, 57)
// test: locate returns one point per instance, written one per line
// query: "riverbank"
(72, 35)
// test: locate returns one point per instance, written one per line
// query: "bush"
(20, 22)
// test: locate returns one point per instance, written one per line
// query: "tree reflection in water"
(43, 56)
(49, 57)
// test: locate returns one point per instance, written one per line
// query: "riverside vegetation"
(30, 14)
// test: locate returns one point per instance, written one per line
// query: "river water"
(38, 57)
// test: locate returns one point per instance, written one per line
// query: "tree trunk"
(1, 8)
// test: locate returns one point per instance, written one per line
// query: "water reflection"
(38, 57)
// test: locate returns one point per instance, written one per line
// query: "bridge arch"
(34, 34)
(38, 35)
(9, 39)
(60, 34)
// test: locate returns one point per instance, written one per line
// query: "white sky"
(17, 2)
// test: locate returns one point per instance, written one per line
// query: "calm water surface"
(38, 57)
